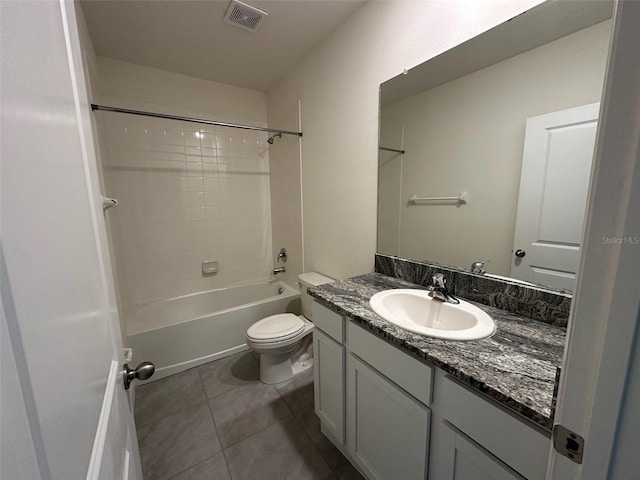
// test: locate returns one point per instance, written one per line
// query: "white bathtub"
(184, 332)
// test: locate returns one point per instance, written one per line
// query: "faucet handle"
(439, 280)
(477, 267)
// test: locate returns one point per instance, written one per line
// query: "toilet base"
(280, 368)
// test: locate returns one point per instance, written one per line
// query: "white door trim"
(93, 472)
(604, 315)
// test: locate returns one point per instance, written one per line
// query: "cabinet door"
(388, 430)
(467, 460)
(328, 379)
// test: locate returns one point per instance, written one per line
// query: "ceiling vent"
(244, 16)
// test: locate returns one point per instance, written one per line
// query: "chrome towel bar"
(462, 198)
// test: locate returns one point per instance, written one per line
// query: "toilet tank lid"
(313, 279)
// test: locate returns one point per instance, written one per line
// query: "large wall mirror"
(486, 150)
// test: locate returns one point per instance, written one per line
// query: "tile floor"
(219, 422)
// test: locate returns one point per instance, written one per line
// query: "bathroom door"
(65, 413)
(554, 184)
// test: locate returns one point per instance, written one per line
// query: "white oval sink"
(416, 311)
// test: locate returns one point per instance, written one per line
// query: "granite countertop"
(516, 366)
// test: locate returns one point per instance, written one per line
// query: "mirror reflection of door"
(554, 183)
(460, 119)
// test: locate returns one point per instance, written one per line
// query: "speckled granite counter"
(516, 366)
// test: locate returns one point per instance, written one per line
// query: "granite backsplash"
(533, 302)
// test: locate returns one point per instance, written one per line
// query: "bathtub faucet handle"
(278, 270)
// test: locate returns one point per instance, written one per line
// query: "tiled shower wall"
(187, 193)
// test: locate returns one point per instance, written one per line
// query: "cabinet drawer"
(520, 445)
(330, 322)
(407, 372)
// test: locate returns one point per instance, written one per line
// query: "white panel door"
(554, 183)
(63, 346)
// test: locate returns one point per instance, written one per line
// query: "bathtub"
(183, 332)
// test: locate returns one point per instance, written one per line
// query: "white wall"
(468, 135)
(135, 85)
(338, 88)
(286, 213)
(188, 192)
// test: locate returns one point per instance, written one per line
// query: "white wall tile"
(182, 203)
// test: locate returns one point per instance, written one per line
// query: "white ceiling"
(189, 37)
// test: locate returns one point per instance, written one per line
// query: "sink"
(416, 311)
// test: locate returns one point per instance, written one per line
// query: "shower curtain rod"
(190, 119)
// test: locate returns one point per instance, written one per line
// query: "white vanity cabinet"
(396, 417)
(380, 424)
(473, 430)
(329, 387)
(464, 459)
(386, 428)
(329, 360)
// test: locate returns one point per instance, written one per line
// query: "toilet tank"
(308, 280)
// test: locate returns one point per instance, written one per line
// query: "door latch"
(568, 443)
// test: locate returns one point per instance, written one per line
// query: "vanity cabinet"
(484, 433)
(467, 460)
(396, 417)
(329, 365)
(329, 387)
(386, 427)
(380, 424)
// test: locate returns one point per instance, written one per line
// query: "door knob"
(520, 253)
(141, 372)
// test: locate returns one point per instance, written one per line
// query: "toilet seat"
(276, 328)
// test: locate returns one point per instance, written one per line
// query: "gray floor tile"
(282, 451)
(311, 424)
(348, 472)
(166, 396)
(298, 392)
(228, 373)
(214, 468)
(177, 441)
(246, 410)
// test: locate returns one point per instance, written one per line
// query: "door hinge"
(568, 443)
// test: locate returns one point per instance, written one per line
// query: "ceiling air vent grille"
(244, 16)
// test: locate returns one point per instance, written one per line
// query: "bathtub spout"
(278, 270)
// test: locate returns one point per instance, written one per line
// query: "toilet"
(283, 340)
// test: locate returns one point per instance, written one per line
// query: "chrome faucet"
(438, 291)
(278, 270)
(478, 268)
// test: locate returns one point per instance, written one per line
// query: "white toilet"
(283, 340)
